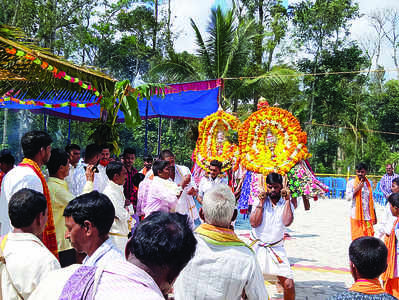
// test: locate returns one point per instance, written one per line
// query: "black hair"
(369, 255)
(216, 163)
(361, 166)
(148, 159)
(6, 157)
(274, 178)
(69, 148)
(91, 151)
(394, 199)
(94, 207)
(396, 180)
(158, 166)
(129, 151)
(165, 153)
(33, 141)
(57, 159)
(163, 239)
(137, 178)
(113, 168)
(24, 206)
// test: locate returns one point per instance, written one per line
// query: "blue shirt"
(349, 295)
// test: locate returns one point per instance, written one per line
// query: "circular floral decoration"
(213, 144)
(271, 140)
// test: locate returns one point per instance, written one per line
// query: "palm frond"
(239, 49)
(203, 51)
(176, 69)
(221, 31)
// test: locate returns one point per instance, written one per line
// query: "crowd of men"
(96, 228)
(365, 226)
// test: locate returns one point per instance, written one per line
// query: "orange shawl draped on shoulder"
(367, 286)
(391, 245)
(360, 226)
(359, 207)
(49, 239)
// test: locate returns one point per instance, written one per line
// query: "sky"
(199, 10)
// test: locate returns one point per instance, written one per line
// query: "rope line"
(313, 74)
(345, 127)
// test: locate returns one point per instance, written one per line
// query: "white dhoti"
(273, 259)
(186, 206)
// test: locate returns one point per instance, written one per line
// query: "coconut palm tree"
(226, 53)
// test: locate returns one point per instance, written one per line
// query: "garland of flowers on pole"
(207, 148)
(57, 74)
(289, 146)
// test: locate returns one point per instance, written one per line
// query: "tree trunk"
(169, 37)
(258, 50)
(235, 105)
(14, 18)
(259, 39)
(154, 34)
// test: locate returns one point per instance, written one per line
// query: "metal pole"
(159, 135)
(45, 121)
(69, 125)
(146, 130)
(5, 141)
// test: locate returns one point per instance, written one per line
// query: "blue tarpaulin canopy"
(194, 100)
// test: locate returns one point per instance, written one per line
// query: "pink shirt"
(123, 280)
(161, 196)
(142, 195)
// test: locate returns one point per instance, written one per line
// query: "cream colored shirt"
(60, 197)
(220, 272)
(18, 178)
(27, 261)
(120, 227)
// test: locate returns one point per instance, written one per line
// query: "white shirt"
(220, 272)
(207, 182)
(272, 228)
(104, 255)
(121, 222)
(18, 178)
(75, 185)
(27, 262)
(185, 204)
(51, 286)
(388, 219)
(100, 179)
(365, 199)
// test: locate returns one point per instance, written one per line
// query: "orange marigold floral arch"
(212, 143)
(279, 127)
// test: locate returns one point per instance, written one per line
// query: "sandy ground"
(318, 250)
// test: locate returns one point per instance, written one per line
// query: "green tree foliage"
(226, 52)
(386, 112)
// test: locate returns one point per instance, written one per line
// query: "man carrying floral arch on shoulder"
(273, 212)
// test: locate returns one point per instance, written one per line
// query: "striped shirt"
(386, 184)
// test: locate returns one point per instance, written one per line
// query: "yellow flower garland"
(207, 148)
(290, 146)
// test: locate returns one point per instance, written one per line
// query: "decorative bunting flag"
(57, 74)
